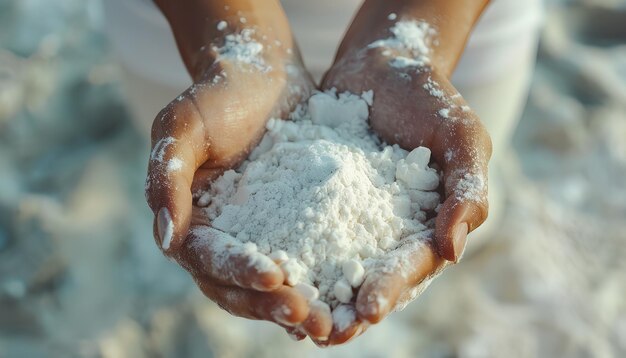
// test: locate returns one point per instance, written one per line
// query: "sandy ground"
(80, 275)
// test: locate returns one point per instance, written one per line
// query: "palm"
(230, 111)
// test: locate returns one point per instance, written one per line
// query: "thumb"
(465, 168)
(178, 149)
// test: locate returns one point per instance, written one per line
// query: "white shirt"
(142, 38)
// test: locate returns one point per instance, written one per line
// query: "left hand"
(418, 107)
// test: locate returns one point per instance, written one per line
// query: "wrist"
(246, 47)
(450, 21)
(202, 29)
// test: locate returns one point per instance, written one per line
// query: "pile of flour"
(324, 198)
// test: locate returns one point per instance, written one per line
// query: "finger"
(210, 252)
(465, 170)
(403, 269)
(346, 325)
(178, 149)
(378, 295)
(284, 306)
(453, 224)
(319, 323)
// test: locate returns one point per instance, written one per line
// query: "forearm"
(452, 20)
(198, 26)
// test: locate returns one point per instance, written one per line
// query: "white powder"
(310, 292)
(471, 187)
(158, 153)
(343, 290)
(241, 47)
(368, 97)
(324, 198)
(401, 62)
(392, 16)
(174, 165)
(279, 256)
(449, 155)
(221, 26)
(353, 272)
(414, 37)
(343, 316)
(433, 88)
(217, 79)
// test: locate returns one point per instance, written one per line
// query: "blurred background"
(80, 275)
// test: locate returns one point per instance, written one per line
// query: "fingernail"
(165, 226)
(459, 239)
(321, 344)
(343, 317)
(284, 321)
(258, 286)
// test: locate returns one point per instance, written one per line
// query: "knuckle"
(167, 120)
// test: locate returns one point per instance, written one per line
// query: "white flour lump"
(324, 198)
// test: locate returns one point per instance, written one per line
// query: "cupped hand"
(418, 106)
(208, 129)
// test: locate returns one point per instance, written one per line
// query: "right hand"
(405, 112)
(208, 129)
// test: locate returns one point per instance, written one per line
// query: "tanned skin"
(214, 124)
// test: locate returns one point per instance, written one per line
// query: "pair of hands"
(213, 126)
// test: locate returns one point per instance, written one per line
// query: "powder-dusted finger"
(210, 252)
(319, 322)
(284, 306)
(402, 270)
(455, 220)
(378, 294)
(178, 149)
(464, 209)
(464, 151)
